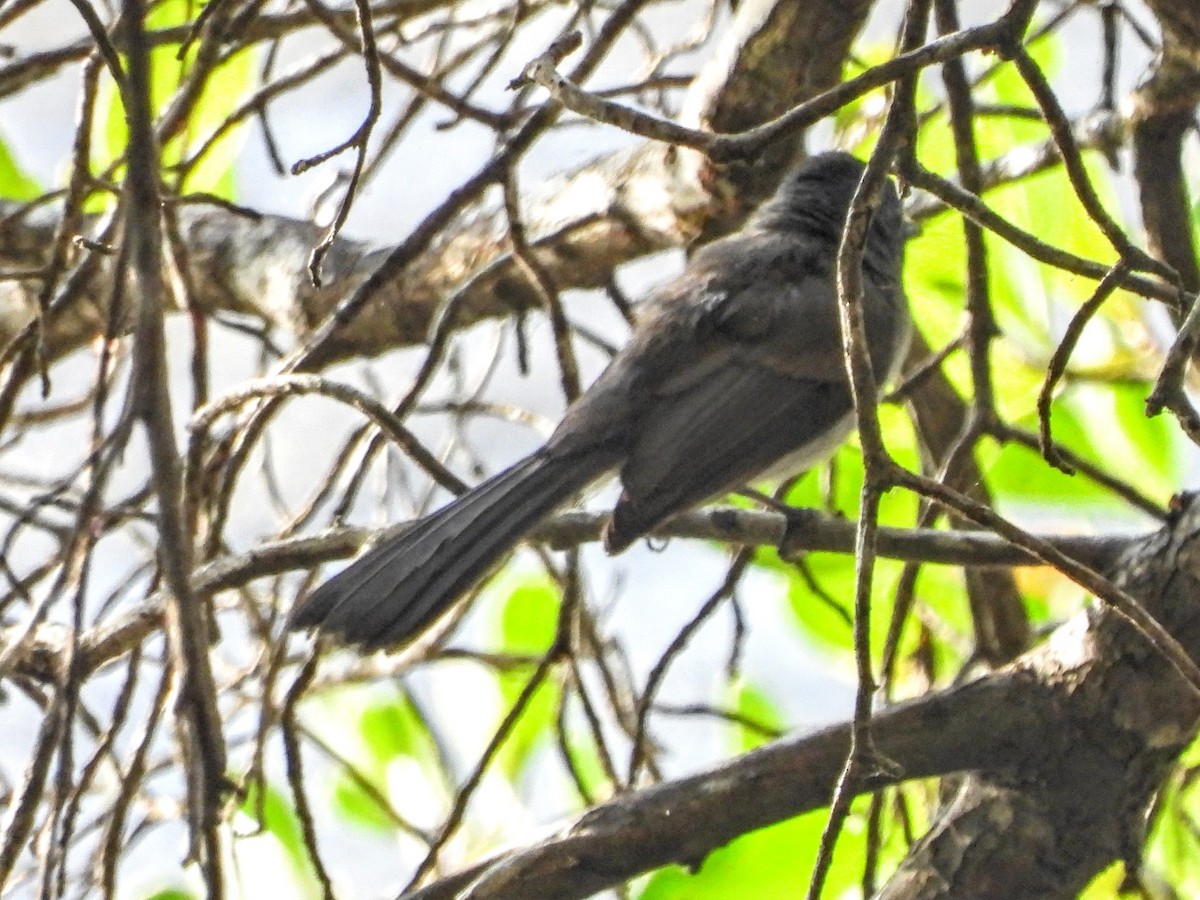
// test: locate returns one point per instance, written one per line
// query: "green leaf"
(391, 728)
(934, 273)
(225, 88)
(529, 616)
(372, 730)
(1172, 852)
(1107, 884)
(355, 804)
(229, 84)
(527, 622)
(1033, 302)
(755, 705)
(1144, 451)
(279, 819)
(171, 893)
(1105, 424)
(14, 183)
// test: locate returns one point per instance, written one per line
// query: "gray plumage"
(734, 368)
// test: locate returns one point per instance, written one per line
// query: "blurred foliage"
(275, 815)
(375, 729)
(224, 88)
(528, 621)
(171, 893)
(1172, 854)
(14, 183)
(772, 863)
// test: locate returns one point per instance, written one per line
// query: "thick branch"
(42, 656)
(683, 821)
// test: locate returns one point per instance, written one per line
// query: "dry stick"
(595, 728)
(359, 140)
(73, 570)
(1060, 130)
(274, 657)
(995, 606)
(731, 716)
(393, 135)
(559, 650)
(69, 562)
(562, 742)
(863, 760)
(1168, 392)
(261, 111)
(13, 11)
(432, 87)
(862, 757)
(500, 46)
(1130, 254)
(363, 782)
(113, 840)
(102, 753)
(257, 102)
(293, 759)
(310, 355)
(925, 370)
(981, 329)
(973, 207)
(543, 284)
(68, 225)
(327, 484)
(103, 45)
(76, 569)
(187, 619)
(299, 385)
(747, 144)
(184, 276)
(638, 754)
(37, 66)
(358, 477)
(443, 323)
(616, 680)
(467, 791)
(419, 240)
(438, 342)
(1057, 366)
(874, 838)
(211, 29)
(23, 806)
(906, 586)
(207, 13)
(1108, 81)
(1008, 433)
(1121, 601)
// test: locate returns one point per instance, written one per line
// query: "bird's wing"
(718, 432)
(764, 385)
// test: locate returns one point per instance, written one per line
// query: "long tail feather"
(398, 588)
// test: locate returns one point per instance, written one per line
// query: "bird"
(734, 370)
